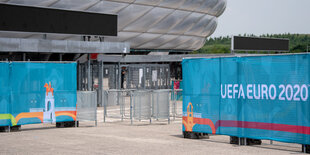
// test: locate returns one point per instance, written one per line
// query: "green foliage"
(215, 48)
(298, 43)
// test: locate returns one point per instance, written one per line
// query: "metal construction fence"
(116, 104)
(86, 106)
(161, 104)
(177, 97)
(141, 105)
(138, 105)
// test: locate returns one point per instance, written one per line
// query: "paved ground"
(123, 138)
(116, 137)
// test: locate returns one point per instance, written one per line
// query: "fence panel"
(136, 104)
(86, 106)
(262, 97)
(161, 104)
(116, 104)
(176, 97)
(114, 97)
(141, 100)
(5, 114)
(111, 71)
(37, 93)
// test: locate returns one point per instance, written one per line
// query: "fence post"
(174, 104)
(144, 77)
(76, 113)
(95, 98)
(168, 101)
(131, 107)
(84, 72)
(88, 74)
(100, 73)
(79, 76)
(105, 106)
(119, 76)
(157, 104)
(100, 83)
(139, 107)
(150, 106)
(121, 105)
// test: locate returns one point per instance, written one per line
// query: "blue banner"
(261, 97)
(37, 93)
(5, 117)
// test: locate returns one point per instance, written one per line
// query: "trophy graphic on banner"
(49, 110)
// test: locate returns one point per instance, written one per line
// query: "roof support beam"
(61, 46)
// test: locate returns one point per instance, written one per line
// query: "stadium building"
(155, 33)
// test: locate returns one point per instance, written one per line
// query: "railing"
(86, 106)
(141, 105)
(137, 105)
(161, 104)
(116, 104)
(177, 97)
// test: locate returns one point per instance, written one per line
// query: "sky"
(264, 16)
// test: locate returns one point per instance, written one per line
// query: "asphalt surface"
(122, 138)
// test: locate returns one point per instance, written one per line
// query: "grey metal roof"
(160, 58)
(173, 58)
(61, 46)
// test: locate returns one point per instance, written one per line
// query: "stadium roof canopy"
(145, 24)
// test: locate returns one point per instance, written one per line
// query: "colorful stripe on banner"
(252, 125)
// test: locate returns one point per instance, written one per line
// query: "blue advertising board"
(37, 93)
(260, 97)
